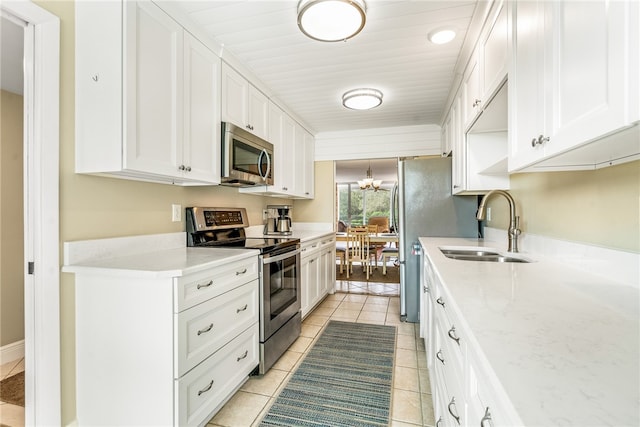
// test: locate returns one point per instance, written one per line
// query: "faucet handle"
(516, 226)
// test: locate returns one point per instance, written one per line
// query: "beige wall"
(600, 207)
(321, 208)
(11, 220)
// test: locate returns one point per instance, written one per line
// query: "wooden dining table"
(373, 237)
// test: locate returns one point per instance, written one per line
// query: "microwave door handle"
(266, 174)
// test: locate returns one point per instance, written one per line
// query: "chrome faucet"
(514, 220)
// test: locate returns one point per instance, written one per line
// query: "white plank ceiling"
(391, 53)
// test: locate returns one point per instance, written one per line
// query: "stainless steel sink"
(479, 254)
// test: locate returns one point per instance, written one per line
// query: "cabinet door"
(527, 84)
(287, 164)
(495, 54)
(201, 153)
(308, 164)
(590, 71)
(235, 92)
(471, 96)
(154, 90)
(458, 149)
(258, 113)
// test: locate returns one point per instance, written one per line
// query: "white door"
(41, 141)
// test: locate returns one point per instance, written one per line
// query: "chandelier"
(369, 182)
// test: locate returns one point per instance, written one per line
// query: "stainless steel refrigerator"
(423, 206)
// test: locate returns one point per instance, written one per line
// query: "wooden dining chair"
(358, 250)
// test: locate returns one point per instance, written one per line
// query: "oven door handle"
(268, 259)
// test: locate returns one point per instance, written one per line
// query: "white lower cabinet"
(166, 350)
(464, 388)
(318, 275)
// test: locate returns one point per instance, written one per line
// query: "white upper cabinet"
(146, 96)
(488, 66)
(202, 111)
(576, 81)
(243, 104)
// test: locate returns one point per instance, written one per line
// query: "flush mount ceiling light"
(331, 20)
(369, 182)
(362, 99)
(442, 36)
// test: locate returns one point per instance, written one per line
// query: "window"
(356, 205)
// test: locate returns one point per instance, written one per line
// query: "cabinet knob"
(188, 168)
(476, 102)
(206, 389)
(539, 141)
(453, 336)
(205, 330)
(486, 420)
(95, 78)
(451, 406)
(181, 168)
(206, 285)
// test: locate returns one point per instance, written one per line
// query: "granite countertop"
(563, 343)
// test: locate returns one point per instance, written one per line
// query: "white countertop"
(161, 263)
(564, 344)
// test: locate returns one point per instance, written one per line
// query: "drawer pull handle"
(486, 418)
(452, 404)
(439, 356)
(206, 389)
(246, 352)
(453, 336)
(439, 422)
(206, 285)
(440, 301)
(238, 273)
(205, 330)
(238, 310)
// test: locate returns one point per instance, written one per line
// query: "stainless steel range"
(280, 319)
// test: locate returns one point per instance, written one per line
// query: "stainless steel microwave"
(247, 160)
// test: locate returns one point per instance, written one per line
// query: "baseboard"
(11, 352)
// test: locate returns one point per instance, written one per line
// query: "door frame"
(41, 210)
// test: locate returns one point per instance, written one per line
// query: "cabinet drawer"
(203, 329)
(199, 287)
(201, 391)
(309, 248)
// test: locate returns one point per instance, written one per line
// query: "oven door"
(280, 297)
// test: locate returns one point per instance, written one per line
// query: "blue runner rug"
(344, 381)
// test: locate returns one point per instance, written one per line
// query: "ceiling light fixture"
(442, 36)
(331, 20)
(369, 182)
(362, 99)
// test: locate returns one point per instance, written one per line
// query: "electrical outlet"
(488, 214)
(176, 213)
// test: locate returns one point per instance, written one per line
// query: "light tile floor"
(11, 415)
(411, 394)
(411, 398)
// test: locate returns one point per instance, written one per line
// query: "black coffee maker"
(278, 220)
